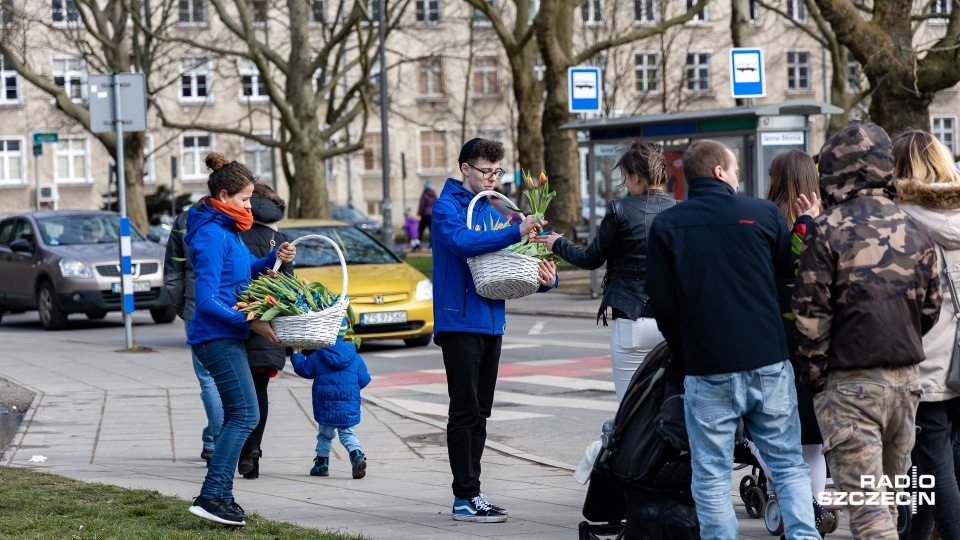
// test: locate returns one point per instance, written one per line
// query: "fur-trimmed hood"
(937, 206)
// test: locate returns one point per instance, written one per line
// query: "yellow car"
(392, 299)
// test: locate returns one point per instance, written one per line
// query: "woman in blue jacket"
(223, 266)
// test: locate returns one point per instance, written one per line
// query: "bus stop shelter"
(755, 134)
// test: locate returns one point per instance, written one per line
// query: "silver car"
(66, 262)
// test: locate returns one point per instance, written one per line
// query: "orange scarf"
(242, 217)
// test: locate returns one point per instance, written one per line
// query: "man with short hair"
(467, 327)
(867, 290)
(712, 267)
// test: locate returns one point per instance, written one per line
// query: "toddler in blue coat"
(338, 375)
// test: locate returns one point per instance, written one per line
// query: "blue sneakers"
(477, 510)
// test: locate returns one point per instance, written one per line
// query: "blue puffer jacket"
(456, 305)
(222, 266)
(338, 375)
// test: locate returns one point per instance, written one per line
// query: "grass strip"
(46, 506)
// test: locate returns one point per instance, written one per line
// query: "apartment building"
(447, 81)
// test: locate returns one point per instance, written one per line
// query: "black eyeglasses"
(488, 174)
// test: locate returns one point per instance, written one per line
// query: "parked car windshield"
(348, 214)
(357, 247)
(72, 230)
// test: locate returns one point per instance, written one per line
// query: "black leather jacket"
(621, 242)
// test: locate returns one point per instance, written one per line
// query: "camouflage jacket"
(867, 288)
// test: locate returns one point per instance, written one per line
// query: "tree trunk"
(311, 174)
(133, 146)
(897, 111)
(838, 91)
(529, 95)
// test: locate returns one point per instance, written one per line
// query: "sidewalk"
(134, 420)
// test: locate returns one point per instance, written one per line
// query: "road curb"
(502, 448)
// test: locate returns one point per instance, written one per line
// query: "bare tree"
(903, 77)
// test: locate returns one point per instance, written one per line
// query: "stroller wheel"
(584, 530)
(746, 483)
(772, 517)
(755, 501)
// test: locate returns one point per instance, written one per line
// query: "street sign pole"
(126, 280)
(36, 173)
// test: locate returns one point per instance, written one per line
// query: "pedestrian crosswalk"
(525, 389)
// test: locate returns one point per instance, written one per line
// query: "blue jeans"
(226, 360)
(211, 401)
(325, 439)
(766, 399)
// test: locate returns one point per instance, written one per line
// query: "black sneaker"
(477, 510)
(245, 466)
(237, 509)
(358, 462)
(218, 511)
(493, 506)
(321, 466)
(206, 454)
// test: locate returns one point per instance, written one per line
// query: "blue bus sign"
(746, 73)
(584, 89)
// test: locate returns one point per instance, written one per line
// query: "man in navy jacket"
(711, 274)
(468, 327)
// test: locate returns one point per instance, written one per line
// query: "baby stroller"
(640, 485)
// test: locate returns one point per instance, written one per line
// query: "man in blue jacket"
(712, 266)
(468, 327)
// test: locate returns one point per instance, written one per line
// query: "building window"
(754, 11)
(433, 150)
(6, 12)
(698, 72)
(372, 152)
(318, 12)
(797, 10)
(431, 77)
(195, 79)
(479, 19)
(592, 11)
(68, 76)
(645, 11)
(11, 161)
(258, 12)
(940, 7)
(373, 8)
(853, 73)
(9, 83)
(149, 162)
(193, 149)
(702, 16)
(251, 85)
(428, 11)
(70, 159)
(648, 72)
(64, 12)
(257, 158)
(798, 70)
(193, 12)
(944, 129)
(486, 76)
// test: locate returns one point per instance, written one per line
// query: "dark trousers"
(471, 362)
(423, 226)
(935, 453)
(260, 382)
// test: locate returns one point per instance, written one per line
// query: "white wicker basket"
(316, 329)
(502, 275)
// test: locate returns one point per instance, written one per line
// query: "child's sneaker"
(358, 462)
(321, 466)
(477, 510)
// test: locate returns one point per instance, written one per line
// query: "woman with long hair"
(222, 265)
(928, 189)
(621, 243)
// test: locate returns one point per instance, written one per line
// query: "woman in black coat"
(266, 359)
(621, 243)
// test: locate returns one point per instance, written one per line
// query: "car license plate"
(386, 317)
(138, 286)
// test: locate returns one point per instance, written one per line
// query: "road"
(553, 394)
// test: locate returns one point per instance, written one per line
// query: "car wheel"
(96, 315)
(52, 317)
(421, 341)
(163, 315)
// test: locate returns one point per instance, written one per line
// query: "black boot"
(255, 472)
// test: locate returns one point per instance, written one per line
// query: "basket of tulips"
(511, 272)
(303, 314)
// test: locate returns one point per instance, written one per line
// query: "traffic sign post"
(118, 102)
(39, 139)
(747, 78)
(584, 89)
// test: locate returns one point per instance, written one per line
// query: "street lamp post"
(387, 231)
